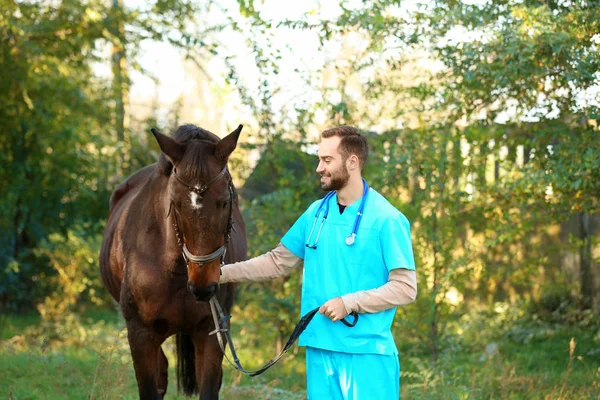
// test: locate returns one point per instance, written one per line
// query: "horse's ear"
(169, 146)
(226, 146)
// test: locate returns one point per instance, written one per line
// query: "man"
(357, 256)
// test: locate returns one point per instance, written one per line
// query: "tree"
(500, 94)
(538, 61)
(60, 155)
(53, 118)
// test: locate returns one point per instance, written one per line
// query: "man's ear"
(169, 146)
(226, 146)
(353, 162)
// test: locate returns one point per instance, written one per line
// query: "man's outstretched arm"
(274, 264)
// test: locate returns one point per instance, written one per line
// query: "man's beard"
(337, 180)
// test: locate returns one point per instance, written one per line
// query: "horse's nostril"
(205, 293)
(213, 288)
(191, 287)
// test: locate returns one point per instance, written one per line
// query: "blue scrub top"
(333, 269)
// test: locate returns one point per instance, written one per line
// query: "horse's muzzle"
(205, 293)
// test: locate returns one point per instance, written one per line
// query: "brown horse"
(167, 234)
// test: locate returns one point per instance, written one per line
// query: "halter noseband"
(221, 251)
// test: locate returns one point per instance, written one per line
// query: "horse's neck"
(155, 205)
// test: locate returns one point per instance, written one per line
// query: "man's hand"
(334, 309)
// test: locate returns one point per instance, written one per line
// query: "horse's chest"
(152, 298)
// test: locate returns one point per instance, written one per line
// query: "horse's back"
(111, 257)
(130, 186)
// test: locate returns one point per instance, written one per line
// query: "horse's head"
(200, 195)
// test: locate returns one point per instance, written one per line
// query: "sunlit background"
(482, 118)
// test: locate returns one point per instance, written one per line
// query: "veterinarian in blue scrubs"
(357, 255)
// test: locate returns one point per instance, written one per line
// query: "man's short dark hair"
(352, 142)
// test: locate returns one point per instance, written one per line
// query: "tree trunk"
(433, 333)
(482, 167)
(120, 82)
(526, 154)
(457, 161)
(585, 261)
(16, 225)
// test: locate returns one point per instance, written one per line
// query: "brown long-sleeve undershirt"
(400, 289)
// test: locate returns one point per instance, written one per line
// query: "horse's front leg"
(209, 368)
(144, 347)
(162, 372)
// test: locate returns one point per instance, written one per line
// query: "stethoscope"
(325, 203)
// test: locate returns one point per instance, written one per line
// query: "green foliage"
(535, 57)
(73, 282)
(55, 155)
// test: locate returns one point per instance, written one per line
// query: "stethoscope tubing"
(325, 204)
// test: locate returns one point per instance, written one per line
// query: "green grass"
(80, 374)
(15, 325)
(541, 368)
(98, 365)
(93, 361)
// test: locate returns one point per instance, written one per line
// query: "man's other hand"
(334, 309)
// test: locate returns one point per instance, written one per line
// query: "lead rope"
(221, 320)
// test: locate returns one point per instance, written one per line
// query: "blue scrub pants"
(332, 375)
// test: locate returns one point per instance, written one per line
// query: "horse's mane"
(193, 165)
(188, 132)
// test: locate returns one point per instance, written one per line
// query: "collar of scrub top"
(325, 205)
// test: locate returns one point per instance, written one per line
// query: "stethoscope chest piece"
(350, 239)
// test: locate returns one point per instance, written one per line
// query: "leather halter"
(221, 251)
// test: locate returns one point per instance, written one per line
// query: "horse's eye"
(222, 203)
